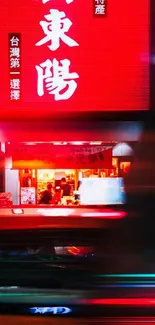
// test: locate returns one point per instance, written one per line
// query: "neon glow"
(50, 310)
(127, 286)
(147, 302)
(105, 215)
(128, 275)
(56, 212)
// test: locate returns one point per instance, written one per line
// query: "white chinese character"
(59, 81)
(101, 2)
(14, 51)
(67, 1)
(15, 83)
(100, 9)
(14, 41)
(15, 95)
(55, 30)
(14, 63)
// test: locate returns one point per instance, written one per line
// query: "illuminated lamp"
(17, 211)
(122, 150)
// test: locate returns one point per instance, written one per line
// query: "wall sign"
(15, 67)
(61, 157)
(71, 61)
(100, 8)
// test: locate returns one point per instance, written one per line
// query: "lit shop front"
(90, 169)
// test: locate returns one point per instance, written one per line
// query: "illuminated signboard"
(58, 157)
(73, 62)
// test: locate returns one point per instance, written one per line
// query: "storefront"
(48, 163)
(35, 165)
(42, 156)
(57, 84)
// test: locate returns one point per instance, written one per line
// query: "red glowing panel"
(74, 61)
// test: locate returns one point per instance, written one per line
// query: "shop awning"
(49, 156)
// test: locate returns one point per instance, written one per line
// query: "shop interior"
(34, 182)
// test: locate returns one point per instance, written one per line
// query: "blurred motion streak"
(136, 275)
(122, 301)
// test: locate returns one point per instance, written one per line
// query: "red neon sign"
(72, 62)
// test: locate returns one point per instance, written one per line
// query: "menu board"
(28, 195)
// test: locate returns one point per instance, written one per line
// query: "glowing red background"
(111, 59)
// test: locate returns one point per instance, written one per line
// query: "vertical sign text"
(15, 67)
(100, 8)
